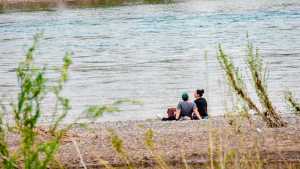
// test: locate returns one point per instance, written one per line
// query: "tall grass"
(117, 144)
(234, 78)
(150, 145)
(258, 71)
(292, 102)
(33, 153)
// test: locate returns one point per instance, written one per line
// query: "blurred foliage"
(258, 73)
(292, 102)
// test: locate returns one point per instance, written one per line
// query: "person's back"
(202, 106)
(186, 108)
(201, 103)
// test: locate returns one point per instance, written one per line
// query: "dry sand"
(175, 139)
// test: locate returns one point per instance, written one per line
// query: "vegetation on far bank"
(48, 5)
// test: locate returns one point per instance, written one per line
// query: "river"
(153, 53)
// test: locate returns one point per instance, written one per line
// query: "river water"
(153, 53)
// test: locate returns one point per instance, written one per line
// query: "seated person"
(186, 108)
(201, 103)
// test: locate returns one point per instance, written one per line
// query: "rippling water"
(155, 52)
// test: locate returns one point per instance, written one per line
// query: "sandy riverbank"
(176, 139)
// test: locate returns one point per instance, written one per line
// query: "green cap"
(185, 96)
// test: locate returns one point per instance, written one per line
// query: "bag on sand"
(171, 114)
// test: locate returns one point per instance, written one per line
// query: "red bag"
(171, 112)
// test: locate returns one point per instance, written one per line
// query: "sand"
(177, 139)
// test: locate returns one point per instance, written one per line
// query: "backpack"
(171, 114)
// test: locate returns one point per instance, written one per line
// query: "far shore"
(31, 5)
(178, 140)
(50, 4)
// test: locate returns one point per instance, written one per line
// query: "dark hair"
(185, 97)
(200, 92)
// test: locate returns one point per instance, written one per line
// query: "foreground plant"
(117, 144)
(33, 153)
(258, 71)
(149, 142)
(235, 80)
(292, 102)
(96, 111)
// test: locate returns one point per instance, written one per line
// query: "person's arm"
(206, 107)
(178, 111)
(196, 112)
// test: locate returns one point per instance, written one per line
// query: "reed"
(117, 144)
(234, 78)
(258, 71)
(292, 102)
(150, 144)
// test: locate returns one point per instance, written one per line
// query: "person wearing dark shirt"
(201, 103)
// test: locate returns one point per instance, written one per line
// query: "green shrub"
(32, 152)
(33, 88)
(292, 102)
